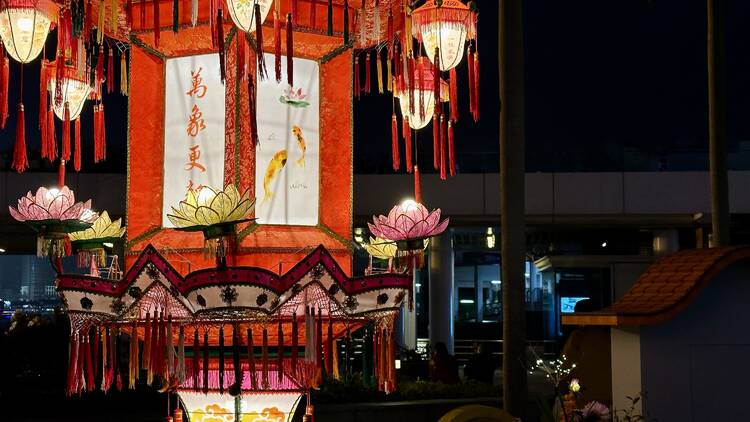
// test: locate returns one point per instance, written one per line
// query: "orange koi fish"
(274, 168)
(297, 132)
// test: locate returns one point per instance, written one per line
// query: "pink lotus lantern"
(53, 213)
(408, 224)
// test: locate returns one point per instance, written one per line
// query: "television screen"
(568, 304)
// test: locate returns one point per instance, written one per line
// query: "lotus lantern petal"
(408, 221)
(52, 204)
(207, 207)
(103, 228)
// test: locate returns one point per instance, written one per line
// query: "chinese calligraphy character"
(192, 187)
(193, 156)
(197, 82)
(195, 122)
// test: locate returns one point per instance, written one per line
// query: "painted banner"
(266, 406)
(286, 159)
(193, 128)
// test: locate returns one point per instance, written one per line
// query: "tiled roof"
(665, 289)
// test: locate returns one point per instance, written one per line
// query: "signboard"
(193, 128)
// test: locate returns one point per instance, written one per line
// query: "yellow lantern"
(445, 24)
(24, 25)
(75, 90)
(243, 12)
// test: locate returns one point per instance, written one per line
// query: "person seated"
(443, 365)
(481, 366)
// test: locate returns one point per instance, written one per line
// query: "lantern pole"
(717, 137)
(512, 191)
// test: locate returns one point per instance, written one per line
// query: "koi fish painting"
(297, 132)
(274, 168)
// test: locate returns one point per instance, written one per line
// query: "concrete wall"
(626, 367)
(695, 366)
(555, 193)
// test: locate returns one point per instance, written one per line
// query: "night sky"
(607, 83)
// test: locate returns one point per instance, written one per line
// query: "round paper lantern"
(75, 90)
(24, 25)
(423, 91)
(243, 12)
(445, 24)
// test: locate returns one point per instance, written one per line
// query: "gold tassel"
(124, 88)
(379, 67)
(114, 7)
(388, 76)
(100, 24)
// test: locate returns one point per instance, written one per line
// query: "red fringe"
(280, 353)
(472, 94)
(329, 347)
(289, 50)
(20, 161)
(42, 103)
(4, 80)
(264, 361)
(313, 4)
(367, 73)
(72, 365)
(417, 185)
(95, 356)
(80, 366)
(222, 52)
(50, 133)
(443, 130)
(356, 77)
(407, 143)
(262, 71)
(436, 140)
(110, 70)
(476, 87)
(90, 383)
(295, 343)
(77, 141)
(277, 46)
(157, 23)
(251, 360)
(394, 143)
(451, 150)
(221, 360)
(66, 133)
(453, 95)
(196, 361)
(412, 87)
(252, 111)
(205, 362)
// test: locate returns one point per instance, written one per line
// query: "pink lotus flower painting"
(52, 204)
(408, 221)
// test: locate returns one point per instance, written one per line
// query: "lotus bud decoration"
(89, 243)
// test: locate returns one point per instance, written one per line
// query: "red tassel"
(251, 360)
(264, 362)
(5, 75)
(205, 362)
(20, 161)
(196, 354)
(99, 74)
(59, 71)
(453, 95)
(313, 4)
(289, 50)
(220, 36)
(90, 383)
(417, 185)
(412, 87)
(77, 141)
(221, 360)
(50, 133)
(407, 143)
(319, 344)
(394, 143)
(443, 130)
(436, 140)
(253, 115)
(277, 45)
(110, 71)
(390, 33)
(61, 174)
(157, 23)
(295, 344)
(280, 354)
(95, 356)
(72, 365)
(262, 71)
(367, 73)
(356, 77)
(436, 77)
(66, 133)
(102, 138)
(42, 104)
(329, 347)
(451, 150)
(476, 87)
(472, 94)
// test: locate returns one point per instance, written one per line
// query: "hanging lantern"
(243, 12)
(75, 90)
(53, 213)
(424, 96)
(215, 213)
(24, 25)
(89, 244)
(409, 224)
(446, 24)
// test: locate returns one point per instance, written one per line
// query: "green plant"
(630, 414)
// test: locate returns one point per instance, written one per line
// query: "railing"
(464, 348)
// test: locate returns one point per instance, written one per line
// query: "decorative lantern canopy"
(424, 97)
(53, 213)
(215, 213)
(243, 12)
(446, 24)
(74, 91)
(24, 25)
(89, 244)
(409, 224)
